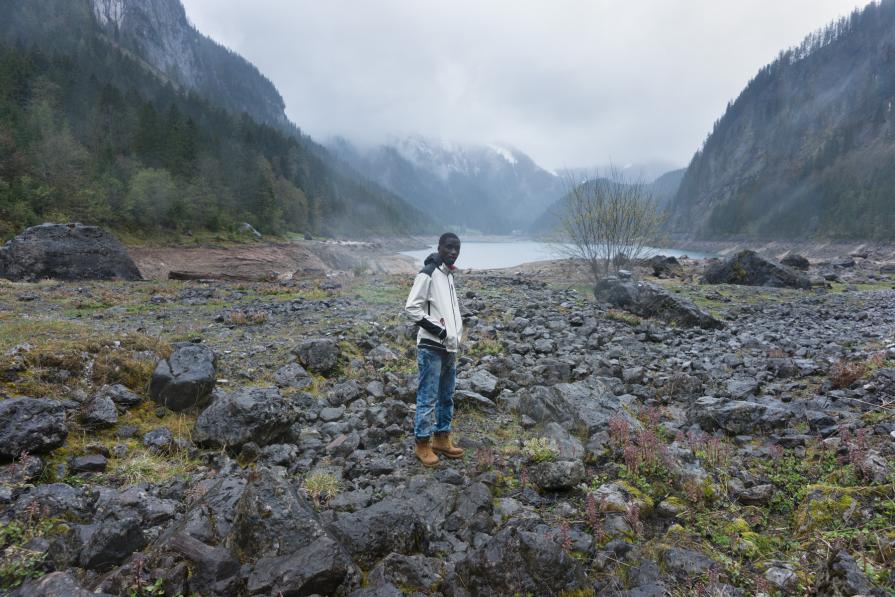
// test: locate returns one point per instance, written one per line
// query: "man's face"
(449, 251)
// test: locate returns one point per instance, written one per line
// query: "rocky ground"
(606, 453)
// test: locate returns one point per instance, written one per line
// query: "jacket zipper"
(453, 302)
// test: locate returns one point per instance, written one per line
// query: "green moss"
(822, 510)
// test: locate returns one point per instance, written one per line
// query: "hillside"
(487, 188)
(808, 148)
(96, 127)
(661, 191)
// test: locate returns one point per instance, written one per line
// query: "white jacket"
(432, 305)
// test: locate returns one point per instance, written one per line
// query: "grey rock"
(557, 475)
(483, 382)
(843, 576)
(390, 525)
(214, 569)
(322, 567)
(91, 463)
(319, 355)
(55, 584)
(259, 415)
(99, 413)
(59, 500)
(737, 417)
(687, 562)
(665, 266)
(33, 425)
(410, 572)
(66, 252)
(382, 355)
(649, 300)
(474, 399)
(120, 395)
(569, 447)
(749, 269)
(796, 261)
(515, 561)
(186, 379)
(781, 577)
(110, 542)
(160, 440)
(292, 375)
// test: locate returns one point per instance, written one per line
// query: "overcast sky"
(570, 82)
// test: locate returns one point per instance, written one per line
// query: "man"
(432, 304)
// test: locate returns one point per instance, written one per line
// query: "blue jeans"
(435, 393)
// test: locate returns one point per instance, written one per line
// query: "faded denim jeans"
(435, 393)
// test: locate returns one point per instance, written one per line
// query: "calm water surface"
(489, 255)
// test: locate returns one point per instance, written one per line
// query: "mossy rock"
(824, 507)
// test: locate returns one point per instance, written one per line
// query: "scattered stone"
(557, 475)
(160, 440)
(99, 413)
(518, 562)
(259, 415)
(322, 568)
(91, 463)
(120, 395)
(32, 425)
(186, 379)
(665, 266)
(320, 355)
(292, 375)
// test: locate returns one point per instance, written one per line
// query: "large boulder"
(748, 268)
(796, 261)
(33, 425)
(584, 406)
(66, 252)
(186, 378)
(259, 415)
(517, 562)
(321, 568)
(665, 266)
(648, 300)
(388, 526)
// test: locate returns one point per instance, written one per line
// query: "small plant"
(321, 487)
(484, 459)
(239, 317)
(844, 373)
(623, 317)
(619, 432)
(540, 449)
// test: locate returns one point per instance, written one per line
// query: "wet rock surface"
(605, 454)
(67, 252)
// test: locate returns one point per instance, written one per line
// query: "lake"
(498, 254)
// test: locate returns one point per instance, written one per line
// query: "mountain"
(808, 148)
(119, 113)
(661, 190)
(488, 188)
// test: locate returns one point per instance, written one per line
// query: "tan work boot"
(425, 454)
(442, 444)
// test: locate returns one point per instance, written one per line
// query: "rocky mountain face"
(490, 189)
(160, 33)
(808, 147)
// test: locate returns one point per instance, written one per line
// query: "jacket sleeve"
(416, 303)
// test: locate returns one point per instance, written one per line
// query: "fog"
(573, 83)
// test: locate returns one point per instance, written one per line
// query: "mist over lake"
(500, 254)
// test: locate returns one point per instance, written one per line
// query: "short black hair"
(446, 237)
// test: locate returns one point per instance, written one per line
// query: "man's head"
(449, 247)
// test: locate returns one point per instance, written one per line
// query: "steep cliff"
(808, 148)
